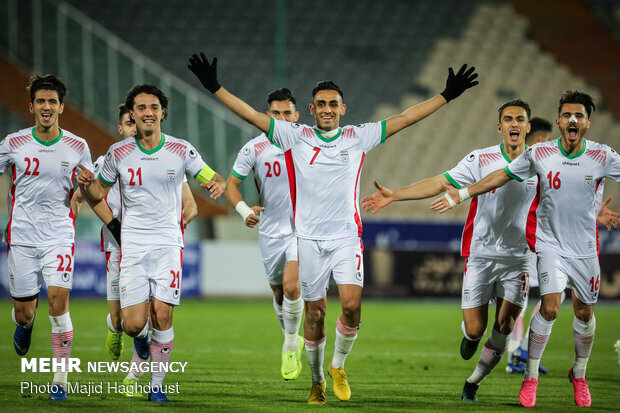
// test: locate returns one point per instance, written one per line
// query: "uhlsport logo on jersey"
(589, 181)
(64, 167)
(529, 186)
(171, 174)
(344, 156)
(544, 277)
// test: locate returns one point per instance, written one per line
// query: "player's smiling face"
(46, 107)
(147, 113)
(327, 107)
(514, 125)
(573, 122)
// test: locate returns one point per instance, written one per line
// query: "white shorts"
(582, 275)
(155, 273)
(534, 271)
(341, 258)
(30, 266)
(276, 252)
(486, 278)
(112, 260)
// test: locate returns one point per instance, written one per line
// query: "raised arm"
(420, 190)
(207, 74)
(453, 197)
(190, 209)
(456, 84)
(250, 215)
(93, 189)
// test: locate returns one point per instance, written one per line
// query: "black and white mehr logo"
(193, 153)
(471, 157)
(65, 277)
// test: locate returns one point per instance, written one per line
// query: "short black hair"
(327, 85)
(281, 95)
(537, 125)
(46, 82)
(149, 90)
(515, 102)
(575, 96)
(122, 109)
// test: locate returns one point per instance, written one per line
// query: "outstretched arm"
(607, 217)
(93, 189)
(207, 74)
(420, 190)
(456, 84)
(250, 215)
(453, 197)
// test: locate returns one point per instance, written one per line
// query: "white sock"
(540, 330)
(315, 350)
(110, 325)
(292, 312)
(491, 354)
(342, 348)
(279, 315)
(583, 333)
(62, 341)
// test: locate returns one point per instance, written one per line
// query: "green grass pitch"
(405, 359)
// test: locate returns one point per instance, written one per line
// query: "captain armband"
(205, 175)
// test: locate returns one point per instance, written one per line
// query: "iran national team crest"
(344, 156)
(64, 167)
(589, 181)
(466, 295)
(544, 278)
(529, 185)
(170, 173)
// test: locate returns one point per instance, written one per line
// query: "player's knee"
(351, 309)
(474, 330)
(584, 314)
(58, 306)
(549, 311)
(163, 318)
(23, 315)
(132, 329)
(291, 290)
(315, 315)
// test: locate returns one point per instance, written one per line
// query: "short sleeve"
(97, 165)
(612, 166)
(523, 166)
(5, 155)
(109, 170)
(245, 161)
(193, 161)
(284, 134)
(371, 134)
(85, 159)
(464, 173)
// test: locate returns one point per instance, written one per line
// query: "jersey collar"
(573, 156)
(155, 149)
(324, 139)
(46, 143)
(501, 147)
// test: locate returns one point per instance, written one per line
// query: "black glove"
(459, 83)
(205, 72)
(115, 228)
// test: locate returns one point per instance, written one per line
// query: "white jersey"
(324, 176)
(267, 161)
(42, 184)
(150, 188)
(495, 225)
(563, 216)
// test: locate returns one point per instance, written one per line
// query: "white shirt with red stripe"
(150, 184)
(42, 184)
(495, 225)
(324, 175)
(267, 161)
(563, 216)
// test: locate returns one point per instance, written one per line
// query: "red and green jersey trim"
(238, 175)
(452, 181)
(155, 149)
(383, 131)
(50, 143)
(511, 175)
(104, 181)
(576, 155)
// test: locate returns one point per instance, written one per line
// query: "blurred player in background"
(497, 265)
(150, 168)
(562, 230)
(324, 163)
(43, 161)
(277, 242)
